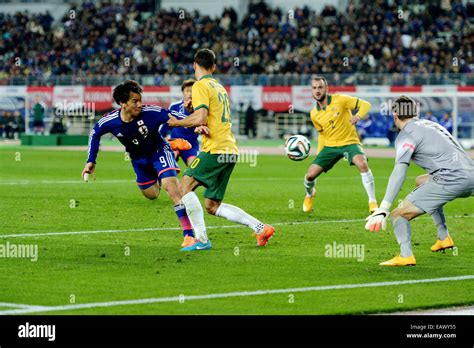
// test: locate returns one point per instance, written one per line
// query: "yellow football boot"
(446, 243)
(400, 261)
(308, 202)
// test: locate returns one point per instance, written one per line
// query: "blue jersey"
(141, 136)
(180, 132)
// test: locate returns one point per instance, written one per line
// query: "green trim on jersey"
(201, 106)
(209, 76)
(329, 102)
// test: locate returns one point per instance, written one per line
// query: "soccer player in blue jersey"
(188, 134)
(137, 128)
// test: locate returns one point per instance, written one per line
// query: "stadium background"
(67, 63)
(68, 57)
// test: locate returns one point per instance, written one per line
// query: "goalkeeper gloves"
(378, 219)
(180, 144)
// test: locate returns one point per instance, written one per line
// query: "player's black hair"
(122, 92)
(187, 83)
(319, 78)
(405, 107)
(205, 58)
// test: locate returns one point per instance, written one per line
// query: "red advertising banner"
(302, 97)
(276, 98)
(67, 97)
(157, 95)
(342, 89)
(100, 97)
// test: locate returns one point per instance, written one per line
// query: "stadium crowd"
(105, 38)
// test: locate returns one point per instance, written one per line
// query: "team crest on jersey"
(142, 129)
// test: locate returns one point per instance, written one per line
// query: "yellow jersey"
(208, 93)
(333, 121)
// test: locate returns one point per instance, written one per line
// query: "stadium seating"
(375, 37)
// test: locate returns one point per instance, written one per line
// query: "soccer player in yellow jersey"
(333, 119)
(214, 164)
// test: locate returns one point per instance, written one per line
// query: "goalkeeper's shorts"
(432, 195)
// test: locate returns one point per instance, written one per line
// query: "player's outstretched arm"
(93, 150)
(378, 219)
(196, 119)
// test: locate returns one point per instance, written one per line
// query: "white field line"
(123, 181)
(169, 228)
(230, 294)
(19, 305)
(20, 235)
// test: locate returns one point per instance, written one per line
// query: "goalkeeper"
(450, 175)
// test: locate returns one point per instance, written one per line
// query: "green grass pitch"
(135, 253)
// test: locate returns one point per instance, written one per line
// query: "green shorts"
(329, 156)
(213, 171)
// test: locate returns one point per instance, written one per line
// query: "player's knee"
(211, 207)
(312, 173)
(363, 166)
(185, 185)
(151, 194)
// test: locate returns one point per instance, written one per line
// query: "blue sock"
(184, 220)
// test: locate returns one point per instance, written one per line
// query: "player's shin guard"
(309, 186)
(180, 210)
(403, 232)
(369, 185)
(440, 222)
(235, 214)
(196, 215)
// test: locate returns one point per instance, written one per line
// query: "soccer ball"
(297, 147)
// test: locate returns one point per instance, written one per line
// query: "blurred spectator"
(363, 128)
(392, 135)
(250, 122)
(58, 126)
(267, 40)
(11, 125)
(2, 124)
(447, 122)
(430, 117)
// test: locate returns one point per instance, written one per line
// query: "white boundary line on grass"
(2, 236)
(229, 294)
(19, 305)
(123, 181)
(168, 228)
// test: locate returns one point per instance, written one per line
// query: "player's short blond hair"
(319, 78)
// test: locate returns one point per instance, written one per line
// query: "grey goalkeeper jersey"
(434, 149)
